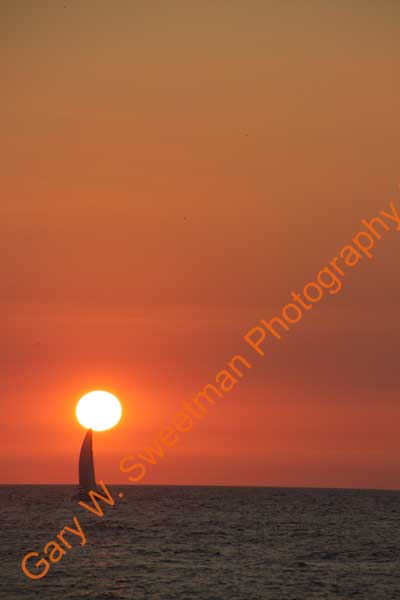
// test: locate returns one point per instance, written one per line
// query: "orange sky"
(170, 173)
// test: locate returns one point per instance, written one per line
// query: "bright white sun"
(98, 410)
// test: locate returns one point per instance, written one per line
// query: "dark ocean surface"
(207, 543)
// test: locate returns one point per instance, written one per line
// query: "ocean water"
(205, 543)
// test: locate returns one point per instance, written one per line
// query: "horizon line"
(205, 485)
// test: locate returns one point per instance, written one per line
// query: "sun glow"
(98, 410)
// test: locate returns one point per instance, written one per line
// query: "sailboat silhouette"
(87, 478)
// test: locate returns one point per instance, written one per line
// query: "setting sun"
(98, 410)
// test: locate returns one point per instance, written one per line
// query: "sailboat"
(87, 478)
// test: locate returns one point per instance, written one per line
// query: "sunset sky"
(171, 172)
